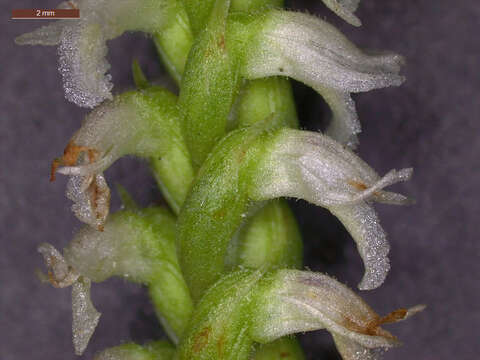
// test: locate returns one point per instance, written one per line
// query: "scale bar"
(45, 14)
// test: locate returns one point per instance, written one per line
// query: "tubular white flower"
(299, 301)
(97, 256)
(312, 51)
(345, 9)
(313, 167)
(82, 45)
(62, 274)
(129, 124)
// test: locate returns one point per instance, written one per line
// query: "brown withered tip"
(374, 329)
(70, 156)
(53, 169)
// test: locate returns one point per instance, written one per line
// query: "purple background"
(430, 123)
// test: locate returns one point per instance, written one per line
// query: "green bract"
(223, 267)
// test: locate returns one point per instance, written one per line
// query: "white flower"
(313, 167)
(312, 51)
(134, 124)
(82, 44)
(298, 301)
(85, 316)
(97, 256)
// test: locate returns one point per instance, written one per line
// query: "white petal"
(344, 125)
(83, 65)
(362, 223)
(85, 316)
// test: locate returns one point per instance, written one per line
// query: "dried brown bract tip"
(59, 274)
(70, 157)
(89, 192)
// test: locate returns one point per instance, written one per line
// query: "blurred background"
(432, 123)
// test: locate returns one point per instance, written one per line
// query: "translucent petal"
(363, 224)
(83, 65)
(85, 316)
(345, 9)
(344, 125)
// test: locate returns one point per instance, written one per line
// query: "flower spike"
(315, 168)
(82, 44)
(312, 51)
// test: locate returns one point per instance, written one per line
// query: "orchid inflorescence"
(222, 263)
